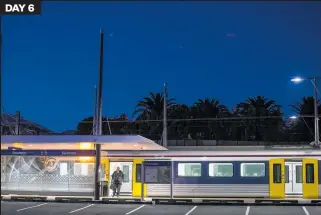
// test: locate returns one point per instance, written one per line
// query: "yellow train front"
(251, 173)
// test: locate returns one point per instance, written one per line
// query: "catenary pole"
(98, 129)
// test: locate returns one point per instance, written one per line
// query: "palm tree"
(305, 106)
(209, 108)
(305, 125)
(152, 108)
(259, 106)
(179, 129)
(179, 111)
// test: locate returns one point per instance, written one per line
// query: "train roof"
(244, 148)
(223, 151)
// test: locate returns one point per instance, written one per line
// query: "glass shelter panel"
(46, 174)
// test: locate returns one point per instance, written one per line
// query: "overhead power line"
(192, 119)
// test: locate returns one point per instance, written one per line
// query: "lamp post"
(316, 119)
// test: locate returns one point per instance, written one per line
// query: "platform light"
(17, 145)
(316, 91)
(86, 146)
(86, 159)
(293, 117)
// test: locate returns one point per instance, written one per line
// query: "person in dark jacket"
(117, 180)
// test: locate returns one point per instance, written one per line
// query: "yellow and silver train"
(269, 173)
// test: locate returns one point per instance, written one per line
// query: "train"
(232, 171)
(241, 172)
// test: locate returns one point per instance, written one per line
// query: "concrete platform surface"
(35, 208)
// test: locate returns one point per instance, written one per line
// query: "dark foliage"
(257, 118)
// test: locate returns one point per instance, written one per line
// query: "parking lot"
(34, 208)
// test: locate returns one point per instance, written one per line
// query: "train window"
(252, 169)
(286, 174)
(220, 170)
(309, 173)
(298, 174)
(157, 174)
(164, 173)
(277, 173)
(138, 173)
(190, 169)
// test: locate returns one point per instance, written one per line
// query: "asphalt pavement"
(35, 208)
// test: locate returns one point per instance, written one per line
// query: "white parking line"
(305, 210)
(22, 209)
(81, 208)
(191, 210)
(247, 210)
(135, 209)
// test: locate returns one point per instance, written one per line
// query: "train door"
(277, 187)
(310, 178)
(293, 178)
(126, 168)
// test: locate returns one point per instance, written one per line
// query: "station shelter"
(65, 163)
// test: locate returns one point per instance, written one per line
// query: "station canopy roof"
(76, 142)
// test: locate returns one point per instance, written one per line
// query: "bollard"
(105, 189)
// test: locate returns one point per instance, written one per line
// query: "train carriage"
(269, 173)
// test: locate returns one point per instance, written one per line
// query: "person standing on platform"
(117, 180)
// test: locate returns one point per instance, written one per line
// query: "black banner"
(16, 7)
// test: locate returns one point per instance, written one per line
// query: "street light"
(297, 80)
(316, 119)
(293, 117)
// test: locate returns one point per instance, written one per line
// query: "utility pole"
(316, 116)
(165, 117)
(17, 127)
(98, 121)
(95, 111)
(1, 66)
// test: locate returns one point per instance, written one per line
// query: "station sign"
(71, 153)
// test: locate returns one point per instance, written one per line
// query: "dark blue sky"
(50, 62)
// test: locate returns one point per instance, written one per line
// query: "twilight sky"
(223, 50)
